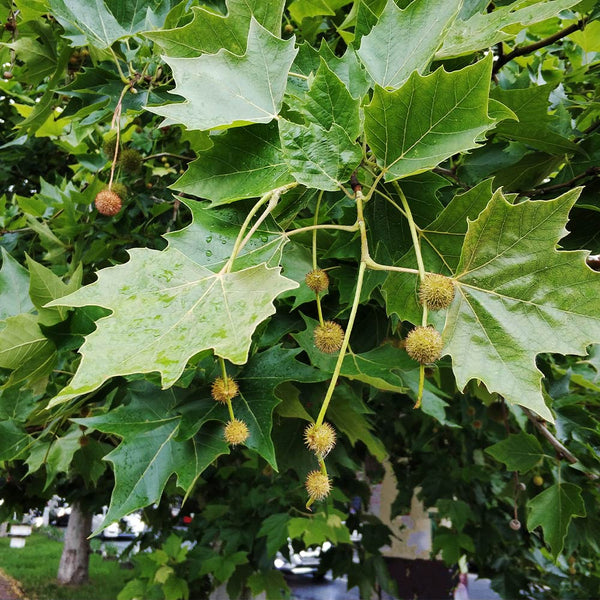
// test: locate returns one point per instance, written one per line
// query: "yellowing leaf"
(167, 308)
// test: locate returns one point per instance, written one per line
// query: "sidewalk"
(9, 588)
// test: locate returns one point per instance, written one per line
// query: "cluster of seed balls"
(320, 439)
(223, 391)
(424, 343)
(329, 335)
(110, 200)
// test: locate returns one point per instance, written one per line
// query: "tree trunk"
(74, 562)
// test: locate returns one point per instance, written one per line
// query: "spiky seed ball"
(317, 280)
(317, 485)
(236, 432)
(436, 291)
(109, 147)
(224, 390)
(328, 337)
(120, 189)
(320, 438)
(131, 160)
(424, 344)
(108, 203)
(515, 524)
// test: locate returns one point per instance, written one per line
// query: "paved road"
(304, 587)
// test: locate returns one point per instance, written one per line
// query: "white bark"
(74, 562)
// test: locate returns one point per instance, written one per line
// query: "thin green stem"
(374, 186)
(319, 309)
(270, 206)
(324, 226)
(417, 245)
(413, 230)
(314, 253)
(230, 408)
(298, 75)
(272, 197)
(394, 204)
(421, 387)
(342, 353)
(314, 237)
(238, 242)
(359, 283)
(348, 194)
(226, 381)
(375, 266)
(223, 369)
(121, 74)
(116, 124)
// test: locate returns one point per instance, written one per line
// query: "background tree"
(421, 161)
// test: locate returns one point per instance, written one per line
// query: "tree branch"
(561, 451)
(591, 128)
(591, 172)
(523, 50)
(450, 174)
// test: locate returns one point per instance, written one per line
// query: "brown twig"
(116, 124)
(540, 425)
(591, 128)
(561, 451)
(523, 50)
(450, 174)
(591, 172)
(11, 26)
(20, 230)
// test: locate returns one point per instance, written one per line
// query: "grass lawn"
(35, 566)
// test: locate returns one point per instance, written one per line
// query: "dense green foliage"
(252, 142)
